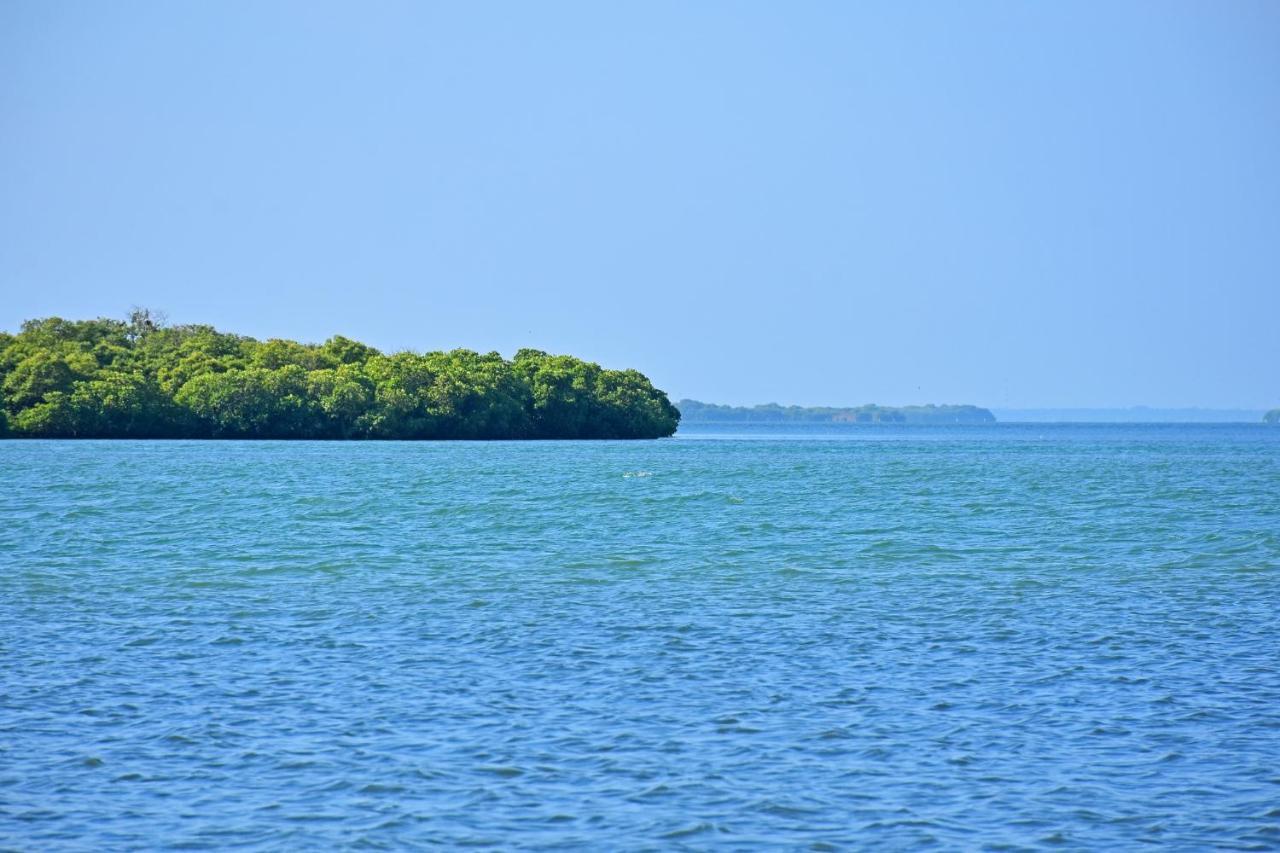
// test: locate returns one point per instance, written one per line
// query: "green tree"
(42, 373)
(125, 405)
(347, 351)
(53, 417)
(276, 353)
(562, 391)
(345, 398)
(252, 403)
(401, 404)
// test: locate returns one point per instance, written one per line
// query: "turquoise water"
(977, 636)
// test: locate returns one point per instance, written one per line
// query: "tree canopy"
(140, 378)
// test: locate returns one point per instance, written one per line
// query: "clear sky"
(1009, 204)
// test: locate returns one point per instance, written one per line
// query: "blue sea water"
(1006, 637)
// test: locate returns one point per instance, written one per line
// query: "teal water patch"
(1010, 635)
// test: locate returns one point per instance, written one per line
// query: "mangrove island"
(694, 412)
(144, 379)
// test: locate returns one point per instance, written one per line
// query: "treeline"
(142, 379)
(692, 412)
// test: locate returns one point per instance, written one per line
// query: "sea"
(999, 637)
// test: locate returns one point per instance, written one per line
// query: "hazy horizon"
(1051, 414)
(1014, 206)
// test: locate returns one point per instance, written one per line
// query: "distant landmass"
(1133, 414)
(695, 412)
(1272, 417)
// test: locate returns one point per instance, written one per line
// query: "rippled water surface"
(972, 636)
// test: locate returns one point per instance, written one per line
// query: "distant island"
(141, 378)
(695, 412)
(1272, 417)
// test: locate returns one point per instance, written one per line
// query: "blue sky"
(1010, 204)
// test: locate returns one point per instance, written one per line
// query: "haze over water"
(1019, 634)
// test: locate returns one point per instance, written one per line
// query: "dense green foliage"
(692, 411)
(138, 379)
(1272, 417)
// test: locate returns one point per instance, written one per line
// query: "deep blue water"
(979, 636)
